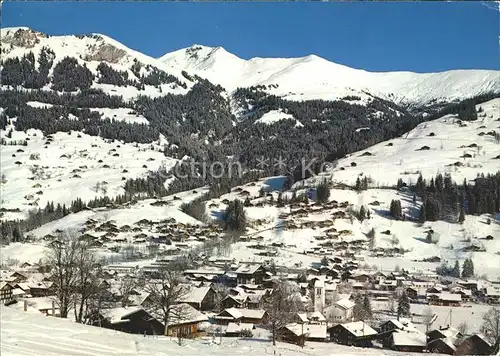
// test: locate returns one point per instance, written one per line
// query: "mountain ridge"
(304, 78)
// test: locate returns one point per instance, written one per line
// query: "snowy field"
(69, 166)
(266, 224)
(25, 334)
(404, 158)
(18, 253)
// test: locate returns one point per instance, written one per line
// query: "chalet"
(446, 346)
(492, 295)
(200, 298)
(250, 274)
(471, 284)
(352, 334)
(297, 333)
(234, 301)
(340, 311)
(185, 322)
(17, 277)
(133, 320)
(445, 299)
(5, 291)
(443, 333)
(475, 345)
(253, 316)
(407, 341)
(313, 318)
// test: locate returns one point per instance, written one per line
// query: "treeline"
(443, 199)
(22, 72)
(69, 76)
(154, 76)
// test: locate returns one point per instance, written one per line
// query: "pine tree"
(325, 261)
(423, 213)
(461, 216)
(403, 305)
(279, 201)
(367, 308)
(362, 213)
(468, 268)
(358, 184)
(455, 272)
(323, 192)
(17, 235)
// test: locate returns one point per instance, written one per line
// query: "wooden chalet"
(356, 333)
(133, 320)
(298, 333)
(445, 299)
(5, 292)
(475, 344)
(250, 274)
(200, 298)
(186, 322)
(251, 316)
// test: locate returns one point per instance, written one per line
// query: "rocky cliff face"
(21, 37)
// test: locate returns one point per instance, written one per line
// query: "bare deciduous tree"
(281, 306)
(62, 259)
(463, 327)
(428, 318)
(88, 273)
(127, 284)
(491, 325)
(165, 292)
(75, 273)
(221, 292)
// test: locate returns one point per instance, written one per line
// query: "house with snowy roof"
(133, 320)
(341, 311)
(253, 316)
(357, 333)
(185, 322)
(200, 298)
(250, 274)
(297, 333)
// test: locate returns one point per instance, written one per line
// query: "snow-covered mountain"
(313, 77)
(91, 50)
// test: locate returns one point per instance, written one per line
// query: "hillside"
(312, 77)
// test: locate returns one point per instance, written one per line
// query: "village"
(339, 302)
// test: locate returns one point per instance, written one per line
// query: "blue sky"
(416, 36)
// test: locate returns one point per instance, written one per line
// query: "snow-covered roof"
(248, 268)
(451, 297)
(409, 338)
(195, 294)
(245, 313)
(345, 303)
(310, 330)
(118, 315)
(185, 314)
(359, 328)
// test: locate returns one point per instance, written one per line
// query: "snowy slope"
(404, 158)
(69, 167)
(90, 50)
(25, 333)
(312, 77)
